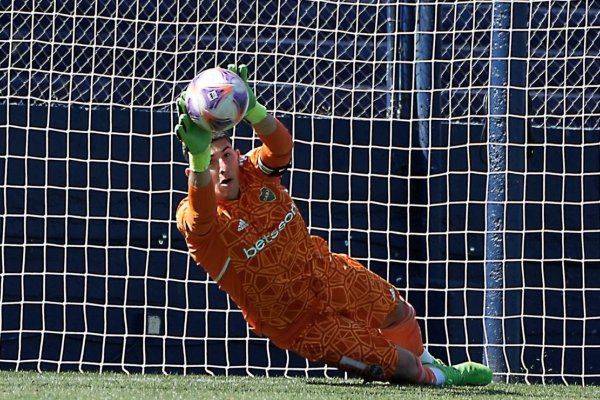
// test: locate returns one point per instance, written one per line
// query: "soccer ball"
(216, 99)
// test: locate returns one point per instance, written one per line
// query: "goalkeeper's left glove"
(256, 112)
(196, 139)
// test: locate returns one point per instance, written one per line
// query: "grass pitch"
(89, 386)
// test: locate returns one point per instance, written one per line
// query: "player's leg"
(346, 287)
(405, 330)
(350, 289)
(353, 347)
(402, 328)
(372, 300)
(338, 340)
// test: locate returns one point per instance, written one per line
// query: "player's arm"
(199, 213)
(276, 152)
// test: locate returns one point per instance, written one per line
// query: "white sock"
(440, 378)
(426, 358)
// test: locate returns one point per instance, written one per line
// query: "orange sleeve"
(276, 151)
(197, 222)
(201, 210)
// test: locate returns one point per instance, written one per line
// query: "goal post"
(452, 147)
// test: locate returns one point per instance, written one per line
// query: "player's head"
(224, 167)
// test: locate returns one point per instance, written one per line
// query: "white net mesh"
(389, 103)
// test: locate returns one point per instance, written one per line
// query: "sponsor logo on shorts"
(369, 371)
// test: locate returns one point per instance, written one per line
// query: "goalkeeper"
(241, 225)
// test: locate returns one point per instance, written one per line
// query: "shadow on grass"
(442, 391)
(478, 391)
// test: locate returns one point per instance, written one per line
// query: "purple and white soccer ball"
(216, 99)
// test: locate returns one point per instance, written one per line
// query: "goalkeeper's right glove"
(256, 112)
(196, 140)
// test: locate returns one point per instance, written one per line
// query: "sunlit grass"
(88, 386)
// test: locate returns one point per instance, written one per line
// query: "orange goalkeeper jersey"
(257, 248)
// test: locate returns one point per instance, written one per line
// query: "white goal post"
(451, 146)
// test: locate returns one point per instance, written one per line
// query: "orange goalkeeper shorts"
(344, 286)
(355, 302)
(349, 345)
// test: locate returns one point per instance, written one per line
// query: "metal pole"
(496, 187)
(423, 72)
(393, 100)
(407, 56)
(430, 139)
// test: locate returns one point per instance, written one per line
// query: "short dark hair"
(220, 135)
(215, 136)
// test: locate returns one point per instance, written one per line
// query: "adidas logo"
(242, 225)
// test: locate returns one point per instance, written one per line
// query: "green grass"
(89, 386)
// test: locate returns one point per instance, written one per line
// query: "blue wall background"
(89, 191)
(77, 284)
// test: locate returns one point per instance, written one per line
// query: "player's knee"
(407, 368)
(404, 311)
(393, 317)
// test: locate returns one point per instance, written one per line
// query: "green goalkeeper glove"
(195, 139)
(256, 112)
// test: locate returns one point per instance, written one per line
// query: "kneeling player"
(243, 228)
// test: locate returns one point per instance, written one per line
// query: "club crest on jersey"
(266, 195)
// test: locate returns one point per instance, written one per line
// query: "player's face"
(224, 169)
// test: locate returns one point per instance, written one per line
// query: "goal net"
(452, 147)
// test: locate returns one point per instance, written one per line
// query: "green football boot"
(467, 373)
(437, 362)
